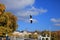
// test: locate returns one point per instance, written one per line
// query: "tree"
(11, 21)
(44, 33)
(54, 36)
(8, 21)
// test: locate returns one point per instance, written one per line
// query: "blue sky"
(45, 13)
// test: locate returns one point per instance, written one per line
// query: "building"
(44, 38)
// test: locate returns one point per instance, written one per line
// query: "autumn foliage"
(7, 21)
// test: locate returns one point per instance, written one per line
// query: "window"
(46, 38)
(42, 38)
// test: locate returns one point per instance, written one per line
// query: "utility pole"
(6, 35)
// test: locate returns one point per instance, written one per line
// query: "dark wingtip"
(31, 21)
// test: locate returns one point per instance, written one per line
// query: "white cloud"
(57, 24)
(55, 20)
(20, 5)
(23, 15)
(16, 4)
(32, 11)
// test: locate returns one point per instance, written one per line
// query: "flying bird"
(31, 19)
